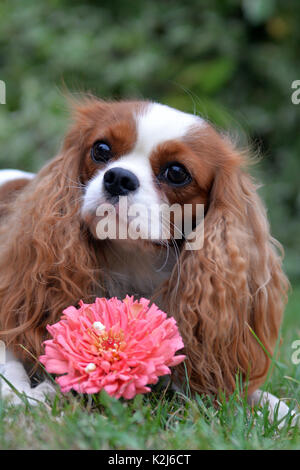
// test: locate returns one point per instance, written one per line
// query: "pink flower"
(118, 346)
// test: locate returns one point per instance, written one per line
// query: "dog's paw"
(26, 394)
(15, 385)
(44, 390)
(278, 410)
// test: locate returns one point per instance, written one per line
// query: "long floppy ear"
(232, 285)
(47, 260)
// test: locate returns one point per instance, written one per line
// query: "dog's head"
(154, 157)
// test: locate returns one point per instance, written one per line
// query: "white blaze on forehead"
(158, 123)
(155, 124)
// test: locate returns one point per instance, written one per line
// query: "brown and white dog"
(51, 256)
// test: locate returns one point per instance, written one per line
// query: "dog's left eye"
(101, 151)
(175, 174)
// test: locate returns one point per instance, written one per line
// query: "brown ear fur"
(234, 282)
(46, 259)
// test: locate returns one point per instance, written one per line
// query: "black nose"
(119, 182)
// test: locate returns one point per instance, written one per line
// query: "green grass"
(161, 420)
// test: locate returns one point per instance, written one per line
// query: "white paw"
(15, 384)
(277, 408)
(33, 396)
(12, 397)
(44, 390)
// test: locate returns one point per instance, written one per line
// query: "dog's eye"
(101, 151)
(175, 174)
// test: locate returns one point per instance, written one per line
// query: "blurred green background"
(231, 61)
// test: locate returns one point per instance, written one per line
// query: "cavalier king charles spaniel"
(52, 255)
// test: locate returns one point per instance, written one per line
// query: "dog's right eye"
(175, 174)
(101, 152)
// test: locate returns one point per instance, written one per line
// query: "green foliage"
(171, 421)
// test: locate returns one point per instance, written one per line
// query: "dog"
(227, 297)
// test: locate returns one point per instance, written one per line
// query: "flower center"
(107, 343)
(111, 342)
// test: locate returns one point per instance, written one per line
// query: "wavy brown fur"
(234, 282)
(49, 260)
